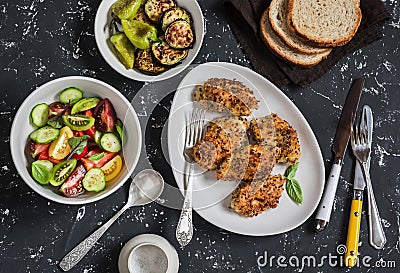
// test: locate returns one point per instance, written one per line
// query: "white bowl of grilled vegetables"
(149, 40)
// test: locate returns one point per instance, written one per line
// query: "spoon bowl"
(145, 187)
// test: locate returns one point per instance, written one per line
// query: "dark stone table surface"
(41, 40)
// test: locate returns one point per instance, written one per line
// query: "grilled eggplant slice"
(167, 55)
(179, 34)
(124, 49)
(139, 33)
(141, 15)
(174, 14)
(145, 63)
(155, 8)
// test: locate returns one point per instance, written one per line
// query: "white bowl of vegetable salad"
(75, 140)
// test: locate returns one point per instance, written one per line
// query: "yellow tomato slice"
(59, 148)
(112, 168)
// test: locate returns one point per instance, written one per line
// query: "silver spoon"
(146, 186)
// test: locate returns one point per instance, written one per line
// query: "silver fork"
(362, 150)
(193, 134)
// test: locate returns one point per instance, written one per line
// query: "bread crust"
(292, 39)
(266, 28)
(320, 42)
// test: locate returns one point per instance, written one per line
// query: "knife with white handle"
(377, 237)
(339, 148)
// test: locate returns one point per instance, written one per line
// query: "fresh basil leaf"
(96, 157)
(291, 171)
(41, 171)
(294, 190)
(78, 143)
(55, 122)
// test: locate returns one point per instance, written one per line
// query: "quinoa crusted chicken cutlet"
(223, 136)
(224, 95)
(242, 150)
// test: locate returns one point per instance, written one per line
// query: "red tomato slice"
(34, 149)
(84, 152)
(45, 156)
(73, 185)
(78, 133)
(90, 164)
(105, 116)
(90, 131)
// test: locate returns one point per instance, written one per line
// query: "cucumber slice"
(110, 143)
(40, 114)
(44, 135)
(78, 122)
(41, 171)
(84, 104)
(94, 180)
(70, 95)
(119, 127)
(97, 135)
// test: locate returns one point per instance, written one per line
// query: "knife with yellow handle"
(353, 232)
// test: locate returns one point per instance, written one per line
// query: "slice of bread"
(325, 22)
(278, 11)
(279, 47)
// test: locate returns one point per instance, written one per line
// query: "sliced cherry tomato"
(94, 150)
(105, 116)
(59, 148)
(73, 185)
(57, 108)
(45, 156)
(84, 152)
(91, 130)
(34, 149)
(90, 164)
(112, 168)
(89, 113)
(78, 133)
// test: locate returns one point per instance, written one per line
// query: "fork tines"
(194, 130)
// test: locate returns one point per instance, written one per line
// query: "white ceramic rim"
(72, 201)
(133, 74)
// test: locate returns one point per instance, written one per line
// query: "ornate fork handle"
(377, 236)
(184, 230)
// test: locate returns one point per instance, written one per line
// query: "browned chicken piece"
(223, 136)
(272, 128)
(252, 198)
(251, 163)
(224, 95)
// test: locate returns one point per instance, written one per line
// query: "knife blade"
(339, 148)
(353, 231)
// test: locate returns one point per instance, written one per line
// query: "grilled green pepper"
(125, 49)
(125, 9)
(139, 33)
